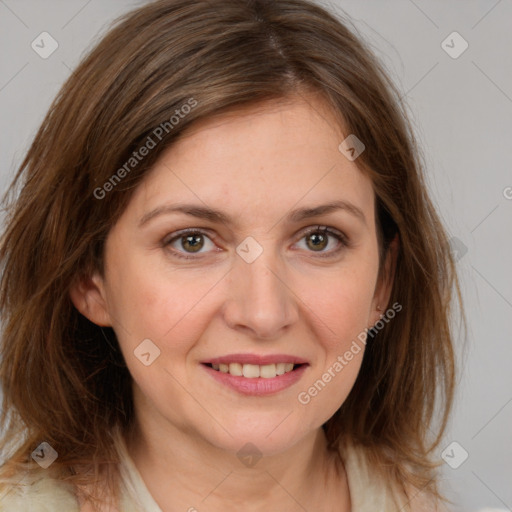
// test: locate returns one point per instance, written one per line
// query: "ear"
(88, 296)
(385, 283)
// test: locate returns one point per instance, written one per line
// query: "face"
(259, 281)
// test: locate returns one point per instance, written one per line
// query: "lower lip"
(257, 386)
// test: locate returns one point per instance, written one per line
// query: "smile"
(256, 380)
(253, 371)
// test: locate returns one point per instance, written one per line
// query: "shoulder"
(37, 494)
(368, 491)
(371, 492)
(420, 502)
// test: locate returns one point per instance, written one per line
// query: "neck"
(185, 472)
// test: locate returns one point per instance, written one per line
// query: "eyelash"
(342, 239)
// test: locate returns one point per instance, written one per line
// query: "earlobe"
(88, 296)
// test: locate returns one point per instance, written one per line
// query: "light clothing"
(368, 493)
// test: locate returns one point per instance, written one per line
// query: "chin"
(258, 438)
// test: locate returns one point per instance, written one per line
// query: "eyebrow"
(214, 215)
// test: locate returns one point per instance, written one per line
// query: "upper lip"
(256, 359)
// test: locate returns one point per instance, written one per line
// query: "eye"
(188, 241)
(318, 238)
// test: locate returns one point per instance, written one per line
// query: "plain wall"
(462, 110)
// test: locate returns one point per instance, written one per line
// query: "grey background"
(462, 110)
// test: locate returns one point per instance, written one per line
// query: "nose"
(261, 302)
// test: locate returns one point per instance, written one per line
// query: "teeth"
(268, 371)
(253, 371)
(236, 369)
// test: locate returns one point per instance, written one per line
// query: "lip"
(260, 360)
(257, 386)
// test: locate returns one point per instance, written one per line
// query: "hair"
(214, 57)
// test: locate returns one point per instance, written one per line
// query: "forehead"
(258, 163)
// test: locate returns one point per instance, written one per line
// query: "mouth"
(256, 374)
(255, 371)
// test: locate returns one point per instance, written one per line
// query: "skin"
(256, 165)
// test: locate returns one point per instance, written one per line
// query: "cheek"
(149, 301)
(341, 333)
(340, 345)
(338, 307)
(341, 300)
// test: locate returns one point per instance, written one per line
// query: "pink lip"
(256, 359)
(257, 386)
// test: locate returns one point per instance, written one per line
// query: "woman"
(224, 284)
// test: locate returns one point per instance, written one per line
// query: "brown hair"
(221, 55)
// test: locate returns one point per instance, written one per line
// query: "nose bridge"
(260, 300)
(263, 278)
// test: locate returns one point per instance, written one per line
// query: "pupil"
(319, 240)
(194, 246)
